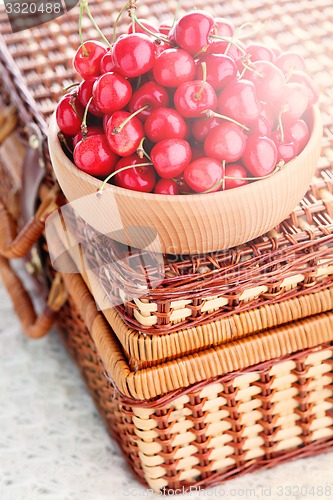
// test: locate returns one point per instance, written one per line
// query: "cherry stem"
(284, 109)
(63, 141)
(66, 89)
(126, 7)
(84, 4)
(147, 30)
(131, 11)
(251, 68)
(277, 169)
(223, 175)
(120, 127)
(72, 103)
(219, 182)
(209, 113)
(230, 41)
(84, 128)
(179, 4)
(247, 25)
(109, 177)
(197, 95)
(141, 151)
(84, 50)
(290, 73)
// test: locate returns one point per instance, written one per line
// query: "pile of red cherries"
(185, 107)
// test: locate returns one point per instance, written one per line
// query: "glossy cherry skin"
(267, 112)
(201, 128)
(260, 52)
(223, 27)
(68, 120)
(91, 131)
(136, 179)
(290, 61)
(204, 174)
(188, 102)
(295, 98)
(288, 148)
(112, 92)
(94, 156)
(304, 79)
(260, 156)
(174, 67)
(300, 131)
(89, 65)
(134, 54)
(261, 127)
(269, 86)
(192, 29)
(126, 142)
(226, 142)
(107, 63)
(150, 93)
(221, 70)
(239, 101)
(85, 92)
(239, 173)
(170, 157)
(165, 123)
(138, 29)
(166, 186)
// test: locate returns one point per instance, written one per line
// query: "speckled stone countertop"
(53, 444)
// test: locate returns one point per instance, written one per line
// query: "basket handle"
(33, 326)
(15, 246)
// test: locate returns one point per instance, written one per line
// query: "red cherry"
(267, 112)
(182, 186)
(192, 98)
(94, 156)
(160, 47)
(201, 128)
(141, 178)
(174, 67)
(166, 186)
(170, 157)
(221, 70)
(126, 141)
(192, 29)
(261, 127)
(106, 118)
(226, 142)
(300, 131)
(238, 174)
(260, 52)
(306, 80)
(134, 54)
(107, 63)
(112, 92)
(260, 156)
(165, 123)
(69, 115)
(150, 93)
(290, 61)
(88, 63)
(138, 28)
(287, 148)
(85, 92)
(203, 175)
(269, 80)
(239, 101)
(91, 131)
(294, 100)
(223, 27)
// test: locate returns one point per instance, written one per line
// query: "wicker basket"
(241, 378)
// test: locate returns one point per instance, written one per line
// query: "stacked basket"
(226, 366)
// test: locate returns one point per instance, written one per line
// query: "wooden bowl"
(189, 224)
